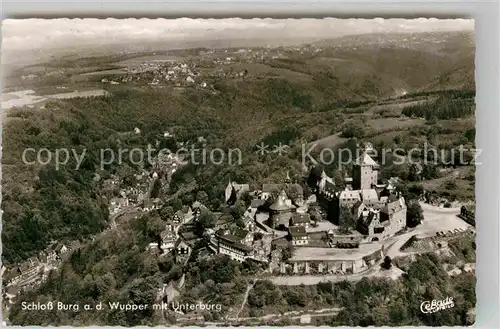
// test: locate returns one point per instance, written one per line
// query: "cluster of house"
(32, 272)
(170, 239)
(279, 211)
(164, 165)
(190, 73)
(126, 196)
(379, 209)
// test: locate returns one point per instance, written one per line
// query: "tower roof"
(365, 160)
(280, 203)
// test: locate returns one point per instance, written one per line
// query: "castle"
(379, 210)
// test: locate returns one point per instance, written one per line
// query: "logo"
(434, 306)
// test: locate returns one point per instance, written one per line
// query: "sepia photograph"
(238, 172)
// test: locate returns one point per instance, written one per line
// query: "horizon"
(28, 35)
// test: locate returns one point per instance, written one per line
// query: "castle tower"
(365, 172)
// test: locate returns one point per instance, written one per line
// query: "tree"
(166, 212)
(202, 197)
(387, 264)
(347, 220)
(414, 214)
(176, 204)
(206, 220)
(238, 210)
(287, 253)
(155, 226)
(353, 129)
(155, 191)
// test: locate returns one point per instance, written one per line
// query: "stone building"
(365, 172)
(233, 246)
(379, 209)
(280, 212)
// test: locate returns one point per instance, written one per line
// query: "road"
(435, 220)
(112, 218)
(288, 315)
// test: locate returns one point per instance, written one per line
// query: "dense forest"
(42, 204)
(448, 105)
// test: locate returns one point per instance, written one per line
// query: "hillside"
(291, 96)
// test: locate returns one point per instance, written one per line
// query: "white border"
(486, 15)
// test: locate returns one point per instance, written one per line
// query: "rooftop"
(301, 218)
(280, 203)
(297, 231)
(365, 160)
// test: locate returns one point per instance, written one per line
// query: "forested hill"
(291, 100)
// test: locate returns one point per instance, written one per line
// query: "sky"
(29, 34)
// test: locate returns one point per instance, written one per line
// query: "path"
(288, 315)
(245, 298)
(112, 218)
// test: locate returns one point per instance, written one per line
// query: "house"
(182, 251)
(229, 244)
(182, 248)
(369, 224)
(249, 223)
(61, 250)
(188, 214)
(395, 213)
(167, 241)
(300, 220)
(298, 235)
(198, 208)
(178, 218)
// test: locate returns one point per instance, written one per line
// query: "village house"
(298, 235)
(167, 241)
(197, 209)
(300, 220)
(182, 251)
(61, 250)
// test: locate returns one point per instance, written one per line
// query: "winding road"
(435, 220)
